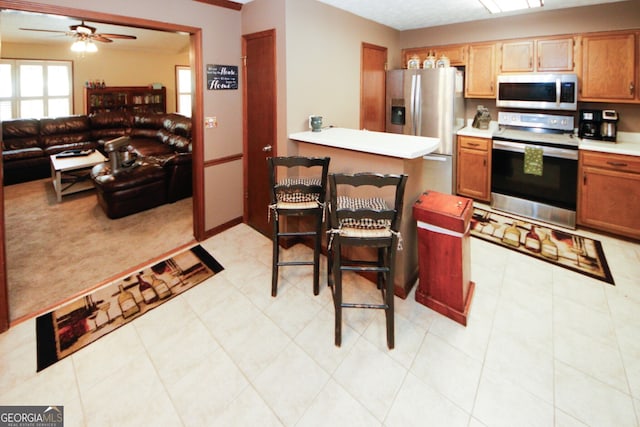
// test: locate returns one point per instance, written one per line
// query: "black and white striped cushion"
(375, 203)
(291, 195)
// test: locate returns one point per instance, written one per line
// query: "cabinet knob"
(632, 87)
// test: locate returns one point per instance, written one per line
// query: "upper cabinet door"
(542, 55)
(517, 57)
(608, 67)
(555, 54)
(481, 71)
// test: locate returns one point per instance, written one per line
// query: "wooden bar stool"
(302, 195)
(367, 221)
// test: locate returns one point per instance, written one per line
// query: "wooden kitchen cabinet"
(539, 55)
(555, 54)
(474, 168)
(517, 56)
(609, 67)
(481, 71)
(455, 53)
(609, 192)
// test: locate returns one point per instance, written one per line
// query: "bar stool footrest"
(285, 263)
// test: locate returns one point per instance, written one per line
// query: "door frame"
(197, 117)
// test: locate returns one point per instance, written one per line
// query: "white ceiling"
(398, 14)
(147, 40)
(412, 14)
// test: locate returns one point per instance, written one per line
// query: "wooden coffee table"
(71, 174)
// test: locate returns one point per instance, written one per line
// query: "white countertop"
(478, 133)
(382, 143)
(626, 143)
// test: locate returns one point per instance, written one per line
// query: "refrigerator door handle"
(413, 105)
(417, 117)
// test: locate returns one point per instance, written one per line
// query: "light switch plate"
(210, 122)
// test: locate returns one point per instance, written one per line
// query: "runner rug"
(568, 250)
(80, 322)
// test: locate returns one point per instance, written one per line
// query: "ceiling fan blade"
(100, 38)
(44, 31)
(118, 36)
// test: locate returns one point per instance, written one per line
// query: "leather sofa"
(161, 142)
(161, 174)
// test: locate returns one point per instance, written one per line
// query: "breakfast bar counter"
(353, 151)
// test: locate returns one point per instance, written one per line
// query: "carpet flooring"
(58, 250)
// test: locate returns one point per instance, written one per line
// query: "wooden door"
(481, 71)
(373, 87)
(555, 54)
(474, 168)
(259, 125)
(608, 67)
(517, 56)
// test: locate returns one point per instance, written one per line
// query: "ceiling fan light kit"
(499, 6)
(85, 37)
(84, 46)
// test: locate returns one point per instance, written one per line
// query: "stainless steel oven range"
(534, 168)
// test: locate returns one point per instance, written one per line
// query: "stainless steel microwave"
(539, 91)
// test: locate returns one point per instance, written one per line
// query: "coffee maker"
(608, 127)
(590, 124)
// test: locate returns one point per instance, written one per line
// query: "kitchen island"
(353, 151)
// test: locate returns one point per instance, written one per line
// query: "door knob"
(266, 148)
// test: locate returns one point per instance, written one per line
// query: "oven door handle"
(516, 147)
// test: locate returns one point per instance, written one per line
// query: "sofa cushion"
(109, 125)
(146, 125)
(19, 134)
(64, 130)
(178, 124)
(24, 153)
(149, 147)
(178, 143)
(110, 119)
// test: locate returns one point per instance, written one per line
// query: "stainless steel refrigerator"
(429, 102)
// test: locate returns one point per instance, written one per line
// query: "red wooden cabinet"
(444, 254)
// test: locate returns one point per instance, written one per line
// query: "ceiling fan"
(85, 32)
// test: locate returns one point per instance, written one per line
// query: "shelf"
(129, 98)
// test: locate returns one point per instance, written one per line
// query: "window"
(183, 89)
(35, 89)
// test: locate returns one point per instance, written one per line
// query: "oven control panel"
(540, 121)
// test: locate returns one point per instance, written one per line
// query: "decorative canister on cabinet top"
(430, 62)
(413, 63)
(443, 62)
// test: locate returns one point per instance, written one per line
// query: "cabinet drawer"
(474, 143)
(619, 162)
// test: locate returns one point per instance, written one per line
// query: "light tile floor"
(544, 347)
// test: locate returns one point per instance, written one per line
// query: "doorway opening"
(195, 47)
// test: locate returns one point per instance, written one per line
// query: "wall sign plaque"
(222, 77)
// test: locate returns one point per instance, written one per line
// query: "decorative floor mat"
(568, 250)
(80, 322)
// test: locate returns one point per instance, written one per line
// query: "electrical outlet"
(210, 122)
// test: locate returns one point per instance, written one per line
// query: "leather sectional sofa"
(162, 143)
